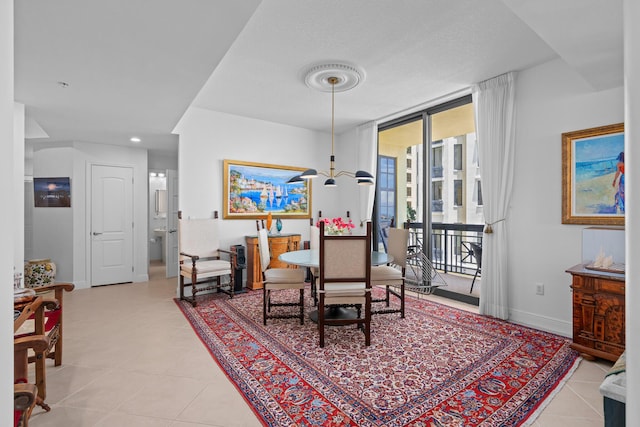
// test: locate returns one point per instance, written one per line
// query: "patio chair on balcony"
(476, 253)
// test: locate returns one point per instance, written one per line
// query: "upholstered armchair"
(201, 258)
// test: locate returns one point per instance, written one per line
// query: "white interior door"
(111, 225)
(171, 241)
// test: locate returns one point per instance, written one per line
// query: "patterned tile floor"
(131, 359)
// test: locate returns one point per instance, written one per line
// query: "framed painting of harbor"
(253, 190)
(593, 176)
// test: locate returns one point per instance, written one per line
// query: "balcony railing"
(450, 249)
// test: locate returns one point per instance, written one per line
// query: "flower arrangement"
(336, 226)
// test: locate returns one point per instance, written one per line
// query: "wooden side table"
(598, 313)
(278, 243)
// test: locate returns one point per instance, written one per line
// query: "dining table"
(311, 258)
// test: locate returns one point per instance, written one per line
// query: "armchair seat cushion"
(385, 273)
(284, 275)
(212, 268)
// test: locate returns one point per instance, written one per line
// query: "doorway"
(163, 223)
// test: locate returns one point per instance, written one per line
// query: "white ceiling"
(134, 66)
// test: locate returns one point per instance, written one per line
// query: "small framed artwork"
(252, 190)
(52, 192)
(593, 176)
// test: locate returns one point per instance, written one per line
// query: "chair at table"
(201, 261)
(278, 279)
(32, 309)
(26, 395)
(476, 252)
(345, 279)
(52, 320)
(392, 276)
(24, 399)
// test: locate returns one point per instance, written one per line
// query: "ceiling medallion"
(333, 78)
(348, 77)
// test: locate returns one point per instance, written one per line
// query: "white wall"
(53, 227)
(208, 137)
(18, 186)
(7, 216)
(550, 99)
(63, 234)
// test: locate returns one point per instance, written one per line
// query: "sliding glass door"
(428, 175)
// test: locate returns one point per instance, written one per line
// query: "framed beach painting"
(593, 176)
(252, 190)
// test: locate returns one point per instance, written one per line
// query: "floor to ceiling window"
(443, 202)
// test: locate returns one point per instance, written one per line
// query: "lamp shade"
(309, 173)
(295, 179)
(365, 182)
(364, 175)
(330, 182)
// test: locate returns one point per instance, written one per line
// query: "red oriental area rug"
(437, 367)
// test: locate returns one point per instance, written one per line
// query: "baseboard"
(81, 284)
(141, 278)
(543, 323)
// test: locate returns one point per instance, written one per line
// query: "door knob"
(96, 234)
(172, 231)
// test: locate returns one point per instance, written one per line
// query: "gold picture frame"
(252, 190)
(593, 176)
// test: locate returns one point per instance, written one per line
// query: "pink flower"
(336, 225)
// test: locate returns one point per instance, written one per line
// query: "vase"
(39, 272)
(269, 221)
(279, 225)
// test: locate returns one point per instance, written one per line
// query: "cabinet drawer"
(610, 286)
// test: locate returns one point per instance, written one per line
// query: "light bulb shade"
(364, 175)
(295, 179)
(330, 182)
(309, 173)
(365, 182)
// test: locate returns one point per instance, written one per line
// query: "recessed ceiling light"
(153, 174)
(135, 139)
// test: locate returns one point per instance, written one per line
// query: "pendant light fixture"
(333, 77)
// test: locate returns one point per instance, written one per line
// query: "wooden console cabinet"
(278, 243)
(598, 312)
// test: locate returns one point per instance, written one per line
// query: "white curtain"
(494, 103)
(367, 137)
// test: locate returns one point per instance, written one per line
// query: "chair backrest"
(398, 245)
(198, 237)
(345, 258)
(314, 236)
(263, 248)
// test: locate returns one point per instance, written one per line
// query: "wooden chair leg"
(302, 306)
(402, 300)
(264, 305)
(321, 320)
